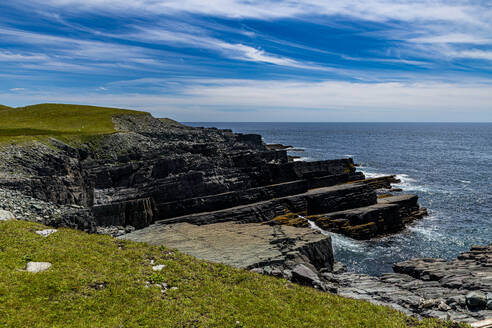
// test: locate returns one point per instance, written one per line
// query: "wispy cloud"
(202, 100)
(381, 10)
(61, 52)
(200, 40)
(453, 38)
(475, 54)
(17, 57)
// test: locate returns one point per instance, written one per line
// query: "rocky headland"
(231, 198)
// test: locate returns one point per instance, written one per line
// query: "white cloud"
(453, 38)
(231, 50)
(16, 57)
(474, 54)
(255, 100)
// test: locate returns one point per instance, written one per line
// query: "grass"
(99, 281)
(65, 122)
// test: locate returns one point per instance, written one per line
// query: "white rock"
(6, 215)
(46, 232)
(38, 266)
(158, 267)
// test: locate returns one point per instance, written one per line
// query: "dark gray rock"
(304, 275)
(476, 300)
(457, 289)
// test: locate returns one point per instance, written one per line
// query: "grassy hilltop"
(100, 281)
(66, 122)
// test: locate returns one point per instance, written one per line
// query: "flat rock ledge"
(276, 249)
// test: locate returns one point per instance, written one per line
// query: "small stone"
(476, 300)
(6, 215)
(443, 306)
(158, 267)
(428, 303)
(46, 232)
(36, 267)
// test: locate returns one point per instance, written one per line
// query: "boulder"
(36, 267)
(6, 215)
(476, 300)
(46, 232)
(304, 275)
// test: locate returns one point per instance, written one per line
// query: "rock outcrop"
(159, 170)
(459, 290)
(276, 249)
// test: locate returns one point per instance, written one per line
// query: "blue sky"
(232, 60)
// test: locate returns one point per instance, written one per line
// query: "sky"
(253, 60)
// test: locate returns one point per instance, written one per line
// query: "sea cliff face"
(216, 195)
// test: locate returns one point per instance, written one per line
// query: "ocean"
(448, 165)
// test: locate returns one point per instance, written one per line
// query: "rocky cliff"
(223, 197)
(154, 170)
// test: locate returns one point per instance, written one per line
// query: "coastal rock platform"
(458, 290)
(247, 245)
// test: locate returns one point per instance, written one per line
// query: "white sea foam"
(303, 159)
(370, 175)
(314, 226)
(340, 241)
(409, 184)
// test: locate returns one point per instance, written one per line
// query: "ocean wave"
(408, 183)
(303, 159)
(371, 175)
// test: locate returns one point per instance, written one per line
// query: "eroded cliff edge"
(214, 194)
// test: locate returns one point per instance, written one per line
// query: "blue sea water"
(448, 165)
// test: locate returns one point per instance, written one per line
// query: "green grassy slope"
(99, 281)
(57, 120)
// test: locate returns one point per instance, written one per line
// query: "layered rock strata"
(156, 170)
